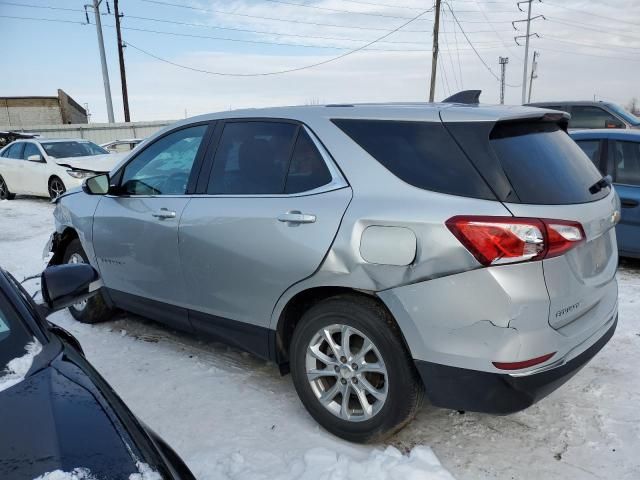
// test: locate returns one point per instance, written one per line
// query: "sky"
(587, 50)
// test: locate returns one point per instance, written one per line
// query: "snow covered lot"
(231, 416)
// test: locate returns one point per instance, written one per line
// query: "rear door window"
(626, 160)
(308, 169)
(252, 158)
(590, 117)
(15, 150)
(544, 165)
(422, 154)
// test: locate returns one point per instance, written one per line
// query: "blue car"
(617, 153)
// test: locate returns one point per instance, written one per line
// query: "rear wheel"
(95, 309)
(56, 188)
(352, 370)
(5, 194)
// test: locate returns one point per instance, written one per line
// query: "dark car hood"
(50, 422)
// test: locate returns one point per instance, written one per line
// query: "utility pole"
(503, 67)
(534, 73)
(103, 59)
(526, 48)
(123, 75)
(434, 57)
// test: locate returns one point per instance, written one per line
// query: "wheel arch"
(298, 304)
(60, 243)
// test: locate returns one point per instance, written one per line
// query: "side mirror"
(64, 285)
(35, 158)
(613, 124)
(98, 185)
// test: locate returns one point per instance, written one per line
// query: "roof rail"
(471, 97)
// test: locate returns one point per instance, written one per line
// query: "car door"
(11, 168)
(265, 220)
(625, 156)
(35, 173)
(135, 229)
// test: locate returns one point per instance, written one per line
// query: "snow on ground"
(232, 416)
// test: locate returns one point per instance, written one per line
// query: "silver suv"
(379, 253)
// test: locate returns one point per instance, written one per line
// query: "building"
(20, 112)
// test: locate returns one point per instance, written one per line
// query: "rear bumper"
(496, 393)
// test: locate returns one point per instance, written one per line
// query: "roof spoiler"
(470, 97)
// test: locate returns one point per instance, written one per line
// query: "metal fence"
(98, 132)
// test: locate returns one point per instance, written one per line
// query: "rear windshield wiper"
(600, 184)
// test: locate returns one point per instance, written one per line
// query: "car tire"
(56, 187)
(95, 309)
(399, 389)
(5, 194)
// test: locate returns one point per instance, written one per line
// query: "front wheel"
(5, 194)
(352, 371)
(94, 309)
(56, 188)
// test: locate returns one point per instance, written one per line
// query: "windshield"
(72, 148)
(15, 341)
(628, 116)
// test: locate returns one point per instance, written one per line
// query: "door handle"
(629, 203)
(164, 213)
(296, 216)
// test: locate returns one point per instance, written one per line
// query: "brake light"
(501, 240)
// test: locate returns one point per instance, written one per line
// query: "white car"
(50, 167)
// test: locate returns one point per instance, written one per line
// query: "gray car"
(380, 253)
(589, 114)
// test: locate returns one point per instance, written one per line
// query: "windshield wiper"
(600, 184)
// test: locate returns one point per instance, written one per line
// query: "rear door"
(135, 230)
(266, 217)
(625, 156)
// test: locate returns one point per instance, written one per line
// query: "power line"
(55, 20)
(587, 26)
(45, 7)
(474, 48)
(327, 9)
(584, 12)
(297, 69)
(608, 46)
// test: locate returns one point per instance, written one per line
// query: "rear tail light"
(500, 240)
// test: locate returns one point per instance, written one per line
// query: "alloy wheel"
(4, 191)
(77, 258)
(346, 373)
(56, 188)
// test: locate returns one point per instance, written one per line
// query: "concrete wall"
(17, 111)
(98, 132)
(24, 111)
(70, 110)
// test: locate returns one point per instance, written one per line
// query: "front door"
(267, 218)
(626, 175)
(135, 230)
(35, 172)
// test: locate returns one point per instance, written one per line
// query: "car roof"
(571, 102)
(619, 133)
(416, 111)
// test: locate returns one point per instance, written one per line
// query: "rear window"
(543, 164)
(422, 154)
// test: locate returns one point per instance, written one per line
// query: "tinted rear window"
(544, 165)
(422, 154)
